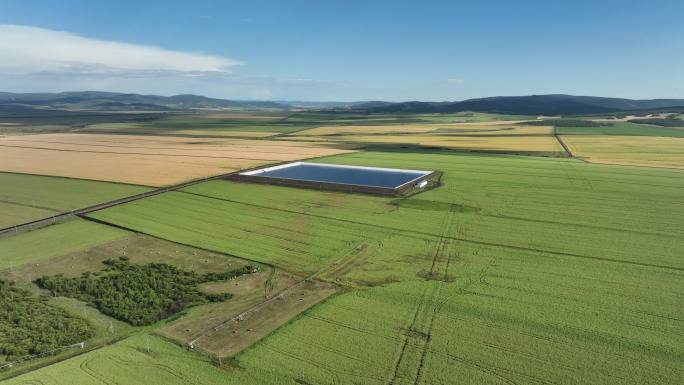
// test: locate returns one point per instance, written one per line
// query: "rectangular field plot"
(651, 151)
(206, 125)
(488, 137)
(38, 245)
(144, 160)
(25, 198)
(288, 240)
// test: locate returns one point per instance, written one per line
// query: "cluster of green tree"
(140, 294)
(668, 122)
(567, 123)
(30, 324)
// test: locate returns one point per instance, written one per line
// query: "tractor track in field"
(391, 229)
(404, 347)
(427, 305)
(426, 346)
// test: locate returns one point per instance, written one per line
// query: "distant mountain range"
(525, 105)
(520, 105)
(112, 101)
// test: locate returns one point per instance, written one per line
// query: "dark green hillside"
(529, 105)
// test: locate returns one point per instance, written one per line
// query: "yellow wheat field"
(145, 160)
(650, 151)
(137, 129)
(456, 128)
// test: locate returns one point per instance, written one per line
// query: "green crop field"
(297, 243)
(516, 270)
(53, 241)
(142, 359)
(25, 198)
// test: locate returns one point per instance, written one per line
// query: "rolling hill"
(525, 105)
(109, 101)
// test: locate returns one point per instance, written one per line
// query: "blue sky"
(345, 50)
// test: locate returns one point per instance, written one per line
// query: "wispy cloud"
(34, 59)
(32, 50)
(454, 81)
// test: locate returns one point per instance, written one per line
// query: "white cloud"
(35, 59)
(32, 50)
(455, 81)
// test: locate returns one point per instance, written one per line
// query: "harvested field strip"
(648, 151)
(216, 151)
(187, 145)
(137, 153)
(144, 160)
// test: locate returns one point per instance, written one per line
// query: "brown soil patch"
(261, 303)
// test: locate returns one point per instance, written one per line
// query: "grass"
(40, 245)
(142, 359)
(460, 282)
(296, 243)
(138, 248)
(624, 129)
(628, 150)
(25, 198)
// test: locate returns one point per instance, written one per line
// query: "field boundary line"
(562, 143)
(75, 178)
(54, 210)
(132, 230)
